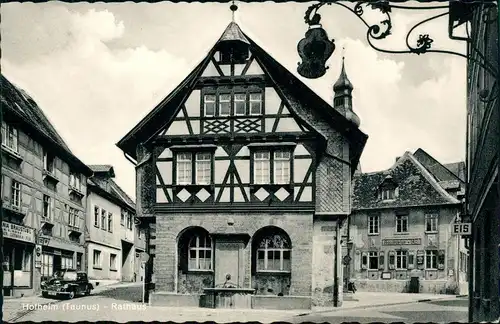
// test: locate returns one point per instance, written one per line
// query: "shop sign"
(397, 241)
(38, 256)
(18, 232)
(43, 240)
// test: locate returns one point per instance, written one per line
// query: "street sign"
(462, 229)
(144, 257)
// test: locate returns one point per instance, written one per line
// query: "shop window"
(47, 266)
(66, 263)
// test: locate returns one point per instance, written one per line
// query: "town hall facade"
(244, 179)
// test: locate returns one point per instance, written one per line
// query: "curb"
(372, 306)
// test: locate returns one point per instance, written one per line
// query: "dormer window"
(236, 53)
(388, 194)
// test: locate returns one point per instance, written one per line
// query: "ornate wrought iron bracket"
(379, 31)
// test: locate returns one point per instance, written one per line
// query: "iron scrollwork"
(383, 29)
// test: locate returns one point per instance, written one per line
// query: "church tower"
(342, 100)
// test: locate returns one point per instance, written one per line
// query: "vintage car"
(67, 283)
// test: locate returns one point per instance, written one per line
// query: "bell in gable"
(314, 50)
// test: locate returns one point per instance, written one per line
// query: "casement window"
(103, 219)
(274, 254)
(431, 259)
(431, 222)
(373, 224)
(373, 260)
(9, 137)
(15, 194)
(224, 104)
(255, 103)
(236, 104)
(388, 194)
(122, 218)
(130, 220)
(74, 181)
(209, 105)
(281, 167)
(272, 167)
(262, 167)
(96, 216)
(96, 260)
(112, 261)
(401, 260)
(184, 168)
(240, 104)
(48, 162)
(200, 253)
(200, 162)
(110, 222)
(401, 223)
(47, 207)
(203, 168)
(72, 217)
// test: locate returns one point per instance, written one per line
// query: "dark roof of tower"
(284, 81)
(343, 81)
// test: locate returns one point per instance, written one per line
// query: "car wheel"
(71, 294)
(87, 291)
(45, 295)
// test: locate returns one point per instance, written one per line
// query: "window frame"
(49, 162)
(122, 218)
(104, 219)
(194, 164)
(16, 187)
(220, 102)
(400, 256)
(9, 131)
(206, 97)
(271, 151)
(47, 199)
(97, 265)
(281, 160)
(250, 101)
(377, 224)
(205, 101)
(245, 106)
(197, 248)
(110, 222)
(404, 220)
(97, 216)
(112, 265)
(265, 251)
(373, 255)
(386, 193)
(433, 254)
(434, 220)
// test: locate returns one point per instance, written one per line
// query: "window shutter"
(381, 261)
(364, 261)
(392, 260)
(411, 260)
(441, 259)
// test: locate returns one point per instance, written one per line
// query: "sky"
(97, 69)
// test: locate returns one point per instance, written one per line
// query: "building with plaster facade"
(43, 196)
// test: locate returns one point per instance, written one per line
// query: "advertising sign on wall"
(18, 232)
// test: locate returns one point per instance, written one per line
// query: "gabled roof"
(285, 82)
(102, 168)
(457, 168)
(23, 108)
(107, 187)
(438, 170)
(416, 187)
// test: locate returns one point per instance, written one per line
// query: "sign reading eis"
(462, 228)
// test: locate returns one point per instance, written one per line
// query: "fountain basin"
(225, 297)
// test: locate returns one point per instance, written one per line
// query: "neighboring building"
(244, 170)
(111, 238)
(483, 157)
(401, 227)
(43, 196)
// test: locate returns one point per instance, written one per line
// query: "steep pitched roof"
(287, 83)
(108, 187)
(416, 186)
(458, 169)
(17, 102)
(438, 170)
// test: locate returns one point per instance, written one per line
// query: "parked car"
(67, 283)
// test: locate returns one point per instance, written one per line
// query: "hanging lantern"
(315, 48)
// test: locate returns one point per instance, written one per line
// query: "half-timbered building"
(244, 171)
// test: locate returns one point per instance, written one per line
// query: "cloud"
(98, 69)
(94, 95)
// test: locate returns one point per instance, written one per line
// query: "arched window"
(200, 253)
(274, 254)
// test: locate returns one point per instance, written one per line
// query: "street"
(122, 305)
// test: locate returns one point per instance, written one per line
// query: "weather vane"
(233, 8)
